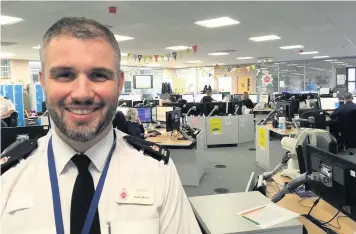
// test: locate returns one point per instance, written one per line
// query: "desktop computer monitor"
(284, 110)
(253, 97)
(329, 103)
(318, 115)
(237, 97)
(125, 103)
(209, 106)
(188, 97)
(198, 106)
(123, 110)
(224, 94)
(173, 120)
(137, 103)
(217, 97)
(145, 114)
(264, 98)
(340, 189)
(161, 112)
(151, 103)
(233, 106)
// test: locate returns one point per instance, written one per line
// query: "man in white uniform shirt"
(84, 177)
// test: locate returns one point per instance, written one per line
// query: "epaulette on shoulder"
(151, 149)
(17, 151)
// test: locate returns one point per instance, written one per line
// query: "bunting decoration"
(168, 56)
(195, 48)
(139, 57)
(162, 58)
(145, 57)
(174, 55)
(156, 57)
(135, 57)
(180, 54)
(188, 51)
(150, 58)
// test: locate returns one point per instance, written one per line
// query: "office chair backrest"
(319, 116)
(347, 126)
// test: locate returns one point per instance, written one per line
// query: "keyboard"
(154, 132)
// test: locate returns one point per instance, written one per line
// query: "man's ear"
(121, 81)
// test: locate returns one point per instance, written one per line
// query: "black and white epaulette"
(17, 151)
(151, 149)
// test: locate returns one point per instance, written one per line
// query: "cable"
(315, 203)
(304, 199)
(327, 222)
(278, 185)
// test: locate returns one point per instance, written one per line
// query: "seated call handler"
(134, 125)
(208, 97)
(348, 105)
(120, 122)
(84, 176)
(6, 110)
(247, 101)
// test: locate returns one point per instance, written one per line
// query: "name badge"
(136, 196)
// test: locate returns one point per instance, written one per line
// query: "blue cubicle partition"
(15, 93)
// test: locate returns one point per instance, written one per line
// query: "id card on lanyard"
(56, 195)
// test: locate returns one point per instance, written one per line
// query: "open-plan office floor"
(239, 162)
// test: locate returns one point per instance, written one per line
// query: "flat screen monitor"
(137, 103)
(145, 114)
(217, 97)
(123, 110)
(125, 103)
(284, 110)
(224, 94)
(329, 103)
(161, 112)
(173, 120)
(151, 103)
(209, 107)
(198, 97)
(264, 98)
(233, 106)
(188, 97)
(199, 108)
(143, 81)
(253, 97)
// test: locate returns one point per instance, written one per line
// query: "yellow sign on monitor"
(215, 126)
(262, 138)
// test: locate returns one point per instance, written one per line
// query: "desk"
(188, 156)
(322, 211)
(217, 214)
(269, 152)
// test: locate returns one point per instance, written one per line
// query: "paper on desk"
(267, 215)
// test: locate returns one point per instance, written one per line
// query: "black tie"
(82, 195)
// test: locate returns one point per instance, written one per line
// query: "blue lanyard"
(56, 196)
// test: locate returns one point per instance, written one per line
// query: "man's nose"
(82, 88)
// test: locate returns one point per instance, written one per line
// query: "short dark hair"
(348, 96)
(81, 28)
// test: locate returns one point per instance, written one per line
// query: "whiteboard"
(143, 82)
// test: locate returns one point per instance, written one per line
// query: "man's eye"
(65, 75)
(98, 76)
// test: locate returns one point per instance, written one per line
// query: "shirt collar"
(97, 153)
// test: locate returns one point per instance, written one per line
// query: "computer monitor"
(224, 94)
(237, 97)
(318, 115)
(199, 108)
(125, 103)
(217, 97)
(233, 106)
(253, 97)
(284, 110)
(188, 97)
(329, 103)
(145, 114)
(340, 190)
(209, 107)
(264, 98)
(9, 135)
(151, 103)
(198, 97)
(161, 112)
(123, 110)
(137, 103)
(173, 120)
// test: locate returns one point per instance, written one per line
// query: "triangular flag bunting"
(174, 55)
(150, 58)
(139, 57)
(162, 58)
(129, 55)
(168, 56)
(188, 51)
(253, 67)
(180, 54)
(156, 57)
(195, 48)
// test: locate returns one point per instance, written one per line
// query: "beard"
(82, 132)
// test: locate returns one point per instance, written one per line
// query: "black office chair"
(11, 121)
(319, 117)
(347, 127)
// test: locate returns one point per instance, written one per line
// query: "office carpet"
(239, 162)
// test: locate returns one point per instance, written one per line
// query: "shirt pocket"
(147, 226)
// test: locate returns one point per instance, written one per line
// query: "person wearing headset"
(84, 177)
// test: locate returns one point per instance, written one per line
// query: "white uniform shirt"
(5, 106)
(26, 199)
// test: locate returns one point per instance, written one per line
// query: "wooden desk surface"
(287, 132)
(166, 140)
(322, 211)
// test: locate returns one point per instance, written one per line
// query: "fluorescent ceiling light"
(329, 60)
(6, 20)
(309, 52)
(241, 58)
(177, 48)
(338, 62)
(291, 47)
(37, 47)
(218, 53)
(6, 55)
(123, 54)
(265, 38)
(294, 64)
(194, 61)
(319, 57)
(217, 22)
(280, 63)
(219, 64)
(122, 38)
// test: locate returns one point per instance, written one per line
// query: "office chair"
(11, 121)
(319, 117)
(347, 128)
